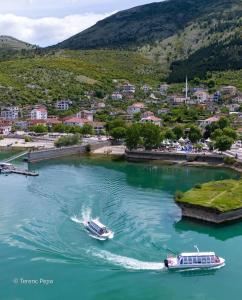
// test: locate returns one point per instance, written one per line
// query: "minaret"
(186, 88)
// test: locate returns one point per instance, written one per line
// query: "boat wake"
(127, 262)
(85, 216)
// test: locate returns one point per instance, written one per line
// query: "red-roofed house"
(152, 119)
(73, 121)
(39, 113)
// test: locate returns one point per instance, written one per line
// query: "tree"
(217, 132)
(87, 129)
(39, 128)
(169, 135)
(178, 131)
(68, 140)
(115, 123)
(223, 122)
(230, 132)
(118, 133)
(223, 143)
(195, 134)
(151, 136)
(133, 136)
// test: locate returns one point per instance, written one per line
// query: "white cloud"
(46, 31)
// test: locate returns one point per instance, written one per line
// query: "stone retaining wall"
(209, 214)
(35, 156)
(136, 155)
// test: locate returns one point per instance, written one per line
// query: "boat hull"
(105, 236)
(221, 263)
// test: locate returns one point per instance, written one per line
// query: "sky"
(47, 22)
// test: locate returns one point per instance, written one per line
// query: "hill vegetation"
(180, 31)
(68, 74)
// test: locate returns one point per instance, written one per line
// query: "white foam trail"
(128, 263)
(86, 216)
(76, 220)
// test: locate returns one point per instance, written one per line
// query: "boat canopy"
(197, 254)
(98, 223)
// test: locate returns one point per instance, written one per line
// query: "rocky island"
(216, 202)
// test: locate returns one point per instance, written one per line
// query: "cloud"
(46, 31)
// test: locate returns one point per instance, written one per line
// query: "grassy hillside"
(222, 195)
(48, 77)
(167, 31)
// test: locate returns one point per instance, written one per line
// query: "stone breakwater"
(209, 214)
(35, 156)
(136, 155)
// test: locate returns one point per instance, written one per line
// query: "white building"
(128, 88)
(63, 104)
(85, 114)
(146, 88)
(209, 121)
(231, 90)
(202, 96)
(5, 129)
(10, 113)
(39, 114)
(117, 96)
(163, 88)
(135, 108)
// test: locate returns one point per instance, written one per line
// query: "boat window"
(212, 259)
(203, 259)
(181, 261)
(190, 260)
(208, 259)
(194, 260)
(199, 260)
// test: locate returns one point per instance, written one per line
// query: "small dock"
(24, 172)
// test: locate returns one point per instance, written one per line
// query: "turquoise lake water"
(41, 237)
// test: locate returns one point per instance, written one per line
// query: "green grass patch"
(222, 195)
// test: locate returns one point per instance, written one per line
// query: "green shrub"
(178, 195)
(68, 140)
(229, 160)
(28, 139)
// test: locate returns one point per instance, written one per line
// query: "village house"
(117, 96)
(63, 104)
(85, 114)
(209, 121)
(152, 119)
(36, 122)
(135, 108)
(146, 88)
(163, 111)
(5, 127)
(216, 96)
(147, 114)
(163, 89)
(10, 113)
(39, 113)
(201, 96)
(52, 120)
(177, 100)
(128, 88)
(74, 121)
(229, 90)
(98, 127)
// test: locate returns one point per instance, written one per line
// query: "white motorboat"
(98, 229)
(194, 260)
